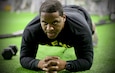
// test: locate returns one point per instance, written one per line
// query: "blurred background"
(95, 7)
(100, 7)
(16, 14)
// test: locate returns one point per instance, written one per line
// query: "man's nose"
(50, 27)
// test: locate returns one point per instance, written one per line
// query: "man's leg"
(94, 36)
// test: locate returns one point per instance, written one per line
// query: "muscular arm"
(84, 52)
(28, 51)
(82, 30)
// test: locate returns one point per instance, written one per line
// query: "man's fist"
(55, 65)
(42, 63)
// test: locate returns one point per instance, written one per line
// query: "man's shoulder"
(78, 14)
(76, 11)
(74, 16)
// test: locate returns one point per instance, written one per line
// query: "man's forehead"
(50, 16)
(53, 14)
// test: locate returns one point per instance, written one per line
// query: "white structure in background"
(92, 6)
(67, 2)
(102, 7)
(15, 5)
(35, 5)
(25, 4)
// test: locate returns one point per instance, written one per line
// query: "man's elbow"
(22, 62)
(89, 66)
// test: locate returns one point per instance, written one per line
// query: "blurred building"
(99, 7)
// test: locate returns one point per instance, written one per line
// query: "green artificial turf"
(12, 22)
(104, 60)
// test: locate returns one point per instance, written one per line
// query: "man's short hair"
(51, 6)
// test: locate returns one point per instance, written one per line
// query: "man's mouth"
(50, 34)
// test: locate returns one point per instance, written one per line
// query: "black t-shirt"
(76, 33)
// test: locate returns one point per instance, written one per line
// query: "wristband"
(68, 66)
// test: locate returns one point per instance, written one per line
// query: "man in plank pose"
(70, 25)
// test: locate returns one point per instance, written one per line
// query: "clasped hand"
(52, 64)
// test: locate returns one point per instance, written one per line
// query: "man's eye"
(55, 23)
(44, 23)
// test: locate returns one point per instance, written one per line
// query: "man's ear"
(64, 17)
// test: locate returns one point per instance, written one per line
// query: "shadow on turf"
(23, 70)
